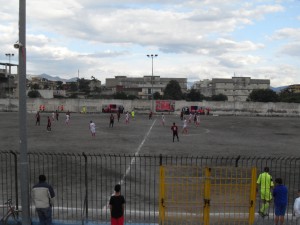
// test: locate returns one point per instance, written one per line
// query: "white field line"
(133, 159)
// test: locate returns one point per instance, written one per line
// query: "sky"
(194, 39)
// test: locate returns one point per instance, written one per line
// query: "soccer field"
(216, 136)
(253, 137)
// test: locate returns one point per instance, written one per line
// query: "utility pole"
(23, 167)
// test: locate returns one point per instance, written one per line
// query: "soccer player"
(38, 118)
(111, 120)
(132, 114)
(49, 124)
(119, 114)
(174, 128)
(163, 119)
(127, 118)
(67, 118)
(150, 115)
(53, 116)
(184, 130)
(93, 128)
(198, 120)
(56, 114)
(266, 183)
(190, 117)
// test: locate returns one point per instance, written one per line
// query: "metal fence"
(84, 182)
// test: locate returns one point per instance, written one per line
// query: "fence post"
(16, 178)
(162, 196)
(252, 196)
(207, 187)
(86, 187)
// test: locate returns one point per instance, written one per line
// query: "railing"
(84, 182)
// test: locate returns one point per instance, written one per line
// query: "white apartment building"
(236, 88)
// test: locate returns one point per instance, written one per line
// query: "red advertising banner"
(165, 106)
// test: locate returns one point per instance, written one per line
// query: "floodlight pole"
(24, 182)
(9, 55)
(152, 56)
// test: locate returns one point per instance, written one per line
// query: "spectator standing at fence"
(266, 183)
(93, 128)
(174, 128)
(280, 194)
(43, 197)
(297, 208)
(117, 207)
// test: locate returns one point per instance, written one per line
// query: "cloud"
(111, 37)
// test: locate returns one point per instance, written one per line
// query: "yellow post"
(207, 187)
(252, 196)
(162, 195)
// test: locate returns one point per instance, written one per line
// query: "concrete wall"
(143, 106)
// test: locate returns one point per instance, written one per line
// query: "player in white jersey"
(190, 117)
(198, 120)
(127, 118)
(67, 119)
(185, 130)
(93, 128)
(163, 119)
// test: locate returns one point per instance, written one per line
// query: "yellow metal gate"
(219, 195)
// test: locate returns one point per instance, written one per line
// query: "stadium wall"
(143, 106)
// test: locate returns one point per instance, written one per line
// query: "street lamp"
(152, 56)
(9, 55)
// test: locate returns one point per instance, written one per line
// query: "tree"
(84, 85)
(289, 96)
(120, 95)
(34, 94)
(194, 96)
(157, 96)
(59, 85)
(173, 91)
(219, 97)
(263, 95)
(73, 87)
(35, 87)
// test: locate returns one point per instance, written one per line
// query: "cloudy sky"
(196, 39)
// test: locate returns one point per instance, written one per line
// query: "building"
(295, 88)
(142, 87)
(236, 88)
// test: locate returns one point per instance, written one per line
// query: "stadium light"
(152, 56)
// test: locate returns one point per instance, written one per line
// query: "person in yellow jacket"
(266, 184)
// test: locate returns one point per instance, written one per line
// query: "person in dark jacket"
(280, 194)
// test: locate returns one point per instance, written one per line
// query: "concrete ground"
(217, 136)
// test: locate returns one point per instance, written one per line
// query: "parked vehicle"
(112, 108)
(193, 109)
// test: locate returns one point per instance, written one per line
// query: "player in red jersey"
(174, 128)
